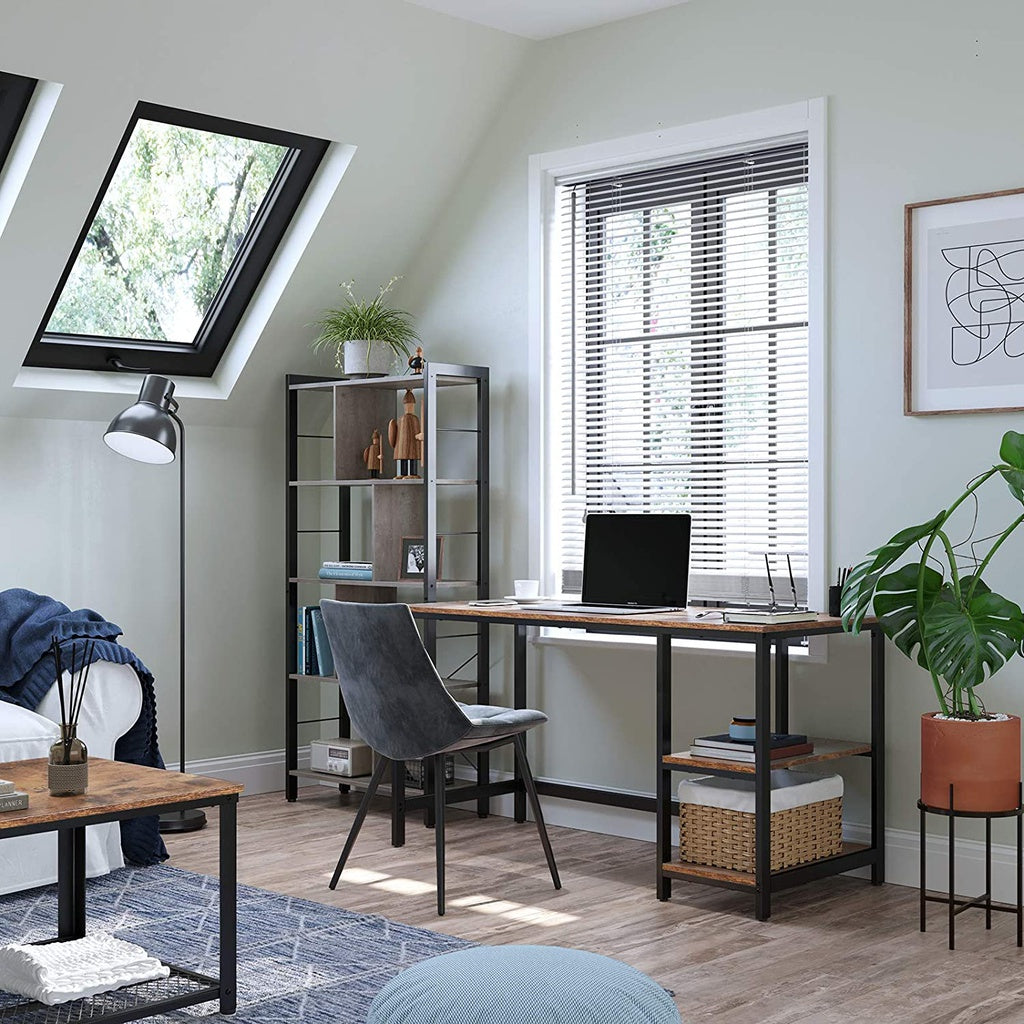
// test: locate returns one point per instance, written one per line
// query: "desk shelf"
(824, 750)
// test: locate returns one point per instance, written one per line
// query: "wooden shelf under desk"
(824, 750)
(732, 877)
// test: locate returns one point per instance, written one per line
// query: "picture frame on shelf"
(413, 562)
(964, 304)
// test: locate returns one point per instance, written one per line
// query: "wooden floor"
(835, 952)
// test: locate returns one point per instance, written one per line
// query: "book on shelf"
(776, 754)
(322, 645)
(328, 573)
(347, 565)
(724, 741)
(6, 787)
(13, 801)
(306, 659)
(765, 616)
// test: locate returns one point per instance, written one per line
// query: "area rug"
(297, 960)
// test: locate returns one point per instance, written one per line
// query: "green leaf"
(1015, 481)
(1011, 451)
(966, 640)
(860, 587)
(896, 606)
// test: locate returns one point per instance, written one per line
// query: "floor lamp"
(145, 432)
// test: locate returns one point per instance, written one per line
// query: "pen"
(792, 582)
(771, 586)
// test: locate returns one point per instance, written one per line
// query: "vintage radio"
(341, 756)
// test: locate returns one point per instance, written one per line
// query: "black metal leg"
(427, 774)
(519, 701)
(663, 746)
(782, 686)
(1020, 882)
(988, 872)
(483, 696)
(531, 792)
(762, 780)
(71, 883)
(357, 824)
(439, 828)
(344, 729)
(952, 872)
(228, 905)
(878, 754)
(924, 870)
(291, 735)
(398, 803)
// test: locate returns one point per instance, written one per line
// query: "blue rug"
(297, 960)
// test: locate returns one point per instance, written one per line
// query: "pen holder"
(835, 601)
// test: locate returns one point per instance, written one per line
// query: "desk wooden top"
(681, 622)
(114, 787)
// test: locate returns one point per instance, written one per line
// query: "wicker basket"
(725, 839)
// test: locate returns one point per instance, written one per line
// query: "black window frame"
(202, 357)
(15, 96)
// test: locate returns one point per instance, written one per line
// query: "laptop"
(633, 563)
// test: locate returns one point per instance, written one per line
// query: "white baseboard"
(263, 772)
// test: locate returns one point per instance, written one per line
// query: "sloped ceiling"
(413, 92)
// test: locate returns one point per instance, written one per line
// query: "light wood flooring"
(837, 951)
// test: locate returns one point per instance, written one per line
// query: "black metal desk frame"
(984, 901)
(770, 646)
(185, 987)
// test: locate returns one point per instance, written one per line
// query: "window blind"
(679, 381)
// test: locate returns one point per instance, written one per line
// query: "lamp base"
(191, 820)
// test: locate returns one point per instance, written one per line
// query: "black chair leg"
(531, 795)
(378, 774)
(439, 796)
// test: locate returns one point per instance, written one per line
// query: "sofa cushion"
(24, 734)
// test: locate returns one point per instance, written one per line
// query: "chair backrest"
(392, 691)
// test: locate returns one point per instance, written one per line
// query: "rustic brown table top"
(115, 788)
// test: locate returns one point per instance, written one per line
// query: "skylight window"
(188, 218)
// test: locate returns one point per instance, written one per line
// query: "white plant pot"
(380, 363)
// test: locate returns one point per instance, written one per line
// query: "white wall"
(922, 99)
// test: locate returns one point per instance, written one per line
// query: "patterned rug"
(297, 960)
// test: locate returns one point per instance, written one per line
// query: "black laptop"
(633, 563)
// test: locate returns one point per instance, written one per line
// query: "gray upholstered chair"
(399, 706)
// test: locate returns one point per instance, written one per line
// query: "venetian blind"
(680, 369)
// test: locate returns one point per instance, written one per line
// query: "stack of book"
(314, 655)
(723, 747)
(346, 571)
(12, 799)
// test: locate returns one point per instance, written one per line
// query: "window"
(678, 363)
(15, 93)
(184, 226)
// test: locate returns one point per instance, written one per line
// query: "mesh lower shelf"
(182, 988)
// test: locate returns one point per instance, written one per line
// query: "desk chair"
(399, 706)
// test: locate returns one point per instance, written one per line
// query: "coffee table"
(118, 791)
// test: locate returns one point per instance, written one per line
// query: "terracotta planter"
(980, 759)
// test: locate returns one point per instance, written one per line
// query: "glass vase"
(68, 768)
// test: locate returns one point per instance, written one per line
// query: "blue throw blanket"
(28, 622)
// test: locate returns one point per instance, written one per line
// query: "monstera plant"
(939, 611)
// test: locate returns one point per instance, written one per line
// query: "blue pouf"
(522, 985)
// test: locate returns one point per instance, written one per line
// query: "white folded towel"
(60, 971)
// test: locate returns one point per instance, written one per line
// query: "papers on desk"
(764, 617)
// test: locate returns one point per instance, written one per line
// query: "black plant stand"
(985, 899)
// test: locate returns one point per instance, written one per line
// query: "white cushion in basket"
(789, 789)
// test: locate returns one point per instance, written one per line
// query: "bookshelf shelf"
(368, 482)
(824, 750)
(378, 583)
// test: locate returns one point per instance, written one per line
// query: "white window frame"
(776, 125)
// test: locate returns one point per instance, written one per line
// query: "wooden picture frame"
(412, 564)
(963, 316)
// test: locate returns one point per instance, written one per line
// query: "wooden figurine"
(417, 362)
(402, 437)
(374, 456)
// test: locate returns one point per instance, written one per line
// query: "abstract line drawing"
(985, 298)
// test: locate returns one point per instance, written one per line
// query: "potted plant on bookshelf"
(940, 612)
(366, 337)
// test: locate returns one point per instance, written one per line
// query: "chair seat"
(491, 722)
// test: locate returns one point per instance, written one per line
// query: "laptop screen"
(631, 558)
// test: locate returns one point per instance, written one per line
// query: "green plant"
(937, 609)
(366, 320)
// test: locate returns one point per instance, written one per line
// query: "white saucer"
(526, 600)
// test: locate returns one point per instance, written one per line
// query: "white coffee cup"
(527, 588)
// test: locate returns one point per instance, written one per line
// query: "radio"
(341, 756)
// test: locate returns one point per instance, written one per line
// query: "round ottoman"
(522, 985)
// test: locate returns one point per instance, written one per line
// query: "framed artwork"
(964, 305)
(413, 565)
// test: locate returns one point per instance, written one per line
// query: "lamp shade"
(145, 431)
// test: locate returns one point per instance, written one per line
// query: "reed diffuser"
(68, 768)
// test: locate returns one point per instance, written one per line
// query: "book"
(724, 741)
(324, 655)
(6, 787)
(300, 644)
(13, 801)
(347, 565)
(345, 574)
(311, 662)
(778, 754)
(762, 616)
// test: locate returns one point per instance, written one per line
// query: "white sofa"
(110, 708)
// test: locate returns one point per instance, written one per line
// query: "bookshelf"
(335, 510)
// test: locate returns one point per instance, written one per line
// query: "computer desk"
(770, 643)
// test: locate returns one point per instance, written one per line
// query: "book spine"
(311, 665)
(348, 565)
(13, 801)
(346, 574)
(300, 647)
(324, 655)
